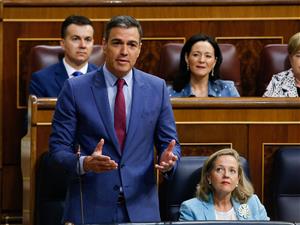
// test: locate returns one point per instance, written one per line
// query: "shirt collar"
(70, 70)
(112, 79)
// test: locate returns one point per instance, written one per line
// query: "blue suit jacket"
(83, 116)
(195, 209)
(49, 81)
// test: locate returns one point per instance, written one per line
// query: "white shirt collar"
(70, 70)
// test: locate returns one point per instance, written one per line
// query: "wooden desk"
(40, 112)
(256, 127)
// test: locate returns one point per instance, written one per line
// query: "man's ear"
(62, 43)
(104, 45)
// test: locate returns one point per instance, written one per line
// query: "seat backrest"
(286, 184)
(274, 59)
(42, 56)
(183, 185)
(51, 188)
(229, 70)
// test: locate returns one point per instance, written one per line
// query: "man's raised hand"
(98, 162)
(167, 159)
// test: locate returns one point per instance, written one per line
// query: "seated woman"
(287, 83)
(224, 193)
(200, 61)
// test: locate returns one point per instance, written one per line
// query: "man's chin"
(81, 62)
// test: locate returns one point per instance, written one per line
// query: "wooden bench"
(256, 127)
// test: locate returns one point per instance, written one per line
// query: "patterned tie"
(77, 73)
(120, 114)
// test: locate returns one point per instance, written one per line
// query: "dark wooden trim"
(80, 3)
(244, 102)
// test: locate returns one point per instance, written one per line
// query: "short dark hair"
(184, 76)
(74, 19)
(124, 22)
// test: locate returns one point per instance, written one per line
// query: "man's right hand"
(98, 162)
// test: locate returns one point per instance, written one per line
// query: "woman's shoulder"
(223, 88)
(282, 75)
(185, 92)
(192, 202)
(224, 82)
(253, 199)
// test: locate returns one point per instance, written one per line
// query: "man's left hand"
(167, 159)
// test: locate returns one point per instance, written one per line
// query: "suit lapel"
(209, 209)
(90, 68)
(61, 75)
(236, 206)
(137, 107)
(100, 94)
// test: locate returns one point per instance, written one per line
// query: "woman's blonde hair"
(241, 193)
(294, 44)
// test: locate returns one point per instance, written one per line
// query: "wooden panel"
(248, 24)
(12, 176)
(204, 125)
(144, 11)
(1, 105)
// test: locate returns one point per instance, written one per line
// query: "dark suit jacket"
(83, 116)
(49, 81)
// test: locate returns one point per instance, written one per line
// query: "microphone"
(80, 185)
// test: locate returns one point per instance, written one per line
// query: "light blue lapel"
(100, 94)
(137, 106)
(209, 209)
(236, 206)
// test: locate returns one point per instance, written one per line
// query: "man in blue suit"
(117, 176)
(77, 41)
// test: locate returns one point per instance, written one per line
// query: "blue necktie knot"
(77, 73)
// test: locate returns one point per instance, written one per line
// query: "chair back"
(42, 56)
(51, 188)
(229, 70)
(286, 184)
(274, 59)
(183, 185)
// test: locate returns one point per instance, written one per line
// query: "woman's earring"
(212, 72)
(187, 67)
(209, 182)
(237, 185)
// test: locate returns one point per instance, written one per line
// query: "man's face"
(122, 50)
(78, 44)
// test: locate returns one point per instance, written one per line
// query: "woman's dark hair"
(184, 76)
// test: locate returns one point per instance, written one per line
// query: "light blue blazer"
(196, 209)
(217, 88)
(83, 117)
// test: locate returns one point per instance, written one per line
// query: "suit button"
(116, 188)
